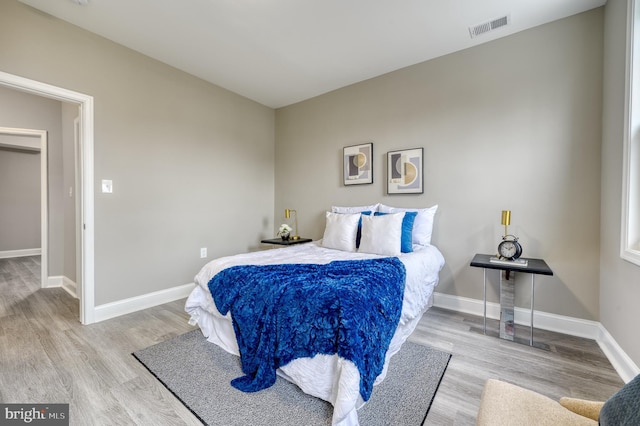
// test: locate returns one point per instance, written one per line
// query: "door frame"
(86, 177)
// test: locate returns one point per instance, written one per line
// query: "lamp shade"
(506, 217)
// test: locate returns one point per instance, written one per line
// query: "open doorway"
(84, 172)
(20, 144)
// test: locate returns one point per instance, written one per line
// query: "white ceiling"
(278, 52)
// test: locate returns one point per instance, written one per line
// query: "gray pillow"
(623, 408)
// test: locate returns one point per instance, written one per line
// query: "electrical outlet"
(203, 252)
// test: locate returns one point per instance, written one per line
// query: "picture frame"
(405, 171)
(358, 164)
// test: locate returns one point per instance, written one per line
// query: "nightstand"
(289, 242)
(507, 289)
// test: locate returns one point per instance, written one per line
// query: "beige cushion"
(506, 404)
(583, 407)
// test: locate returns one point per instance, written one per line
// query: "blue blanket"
(284, 312)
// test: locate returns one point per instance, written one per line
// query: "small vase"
(285, 237)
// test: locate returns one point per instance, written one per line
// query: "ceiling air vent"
(485, 27)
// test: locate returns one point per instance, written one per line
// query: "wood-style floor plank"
(571, 366)
(46, 355)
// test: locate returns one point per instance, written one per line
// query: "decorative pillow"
(357, 209)
(406, 242)
(359, 233)
(623, 408)
(340, 231)
(423, 224)
(382, 234)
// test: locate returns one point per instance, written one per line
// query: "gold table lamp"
(506, 220)
(287, 214)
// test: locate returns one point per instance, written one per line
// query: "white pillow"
(372, 208)
(340, 231)
(382, 234)
(422, 225)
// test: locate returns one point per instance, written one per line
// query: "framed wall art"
(358, 164)
(404, 171)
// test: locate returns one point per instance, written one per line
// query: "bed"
(350, 236)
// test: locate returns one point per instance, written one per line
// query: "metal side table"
(507, 289)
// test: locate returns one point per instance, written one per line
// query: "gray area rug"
(198, 374)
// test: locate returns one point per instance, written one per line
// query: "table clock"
(509, 249)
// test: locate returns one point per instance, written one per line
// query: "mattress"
(328, 377)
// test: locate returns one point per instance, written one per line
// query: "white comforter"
(328, 377)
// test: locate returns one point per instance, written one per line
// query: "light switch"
(107, 186)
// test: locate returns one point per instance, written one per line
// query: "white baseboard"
(624, 365)
(70, 287)
(6, 254)
(138, 303)
(53, 282)
(543, 320)
(594, 330)
(61, 281)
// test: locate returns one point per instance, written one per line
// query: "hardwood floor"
(572, 366)
(47, 356)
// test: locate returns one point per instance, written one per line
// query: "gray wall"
(619, 280)
(19, 198)
(511, 124)
(191, 163)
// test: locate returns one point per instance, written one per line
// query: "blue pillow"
(359, 233)
(406, 242)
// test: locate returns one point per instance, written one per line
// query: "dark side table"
(507, 289)
(279, 241)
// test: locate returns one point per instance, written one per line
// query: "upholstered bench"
(506, 404)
